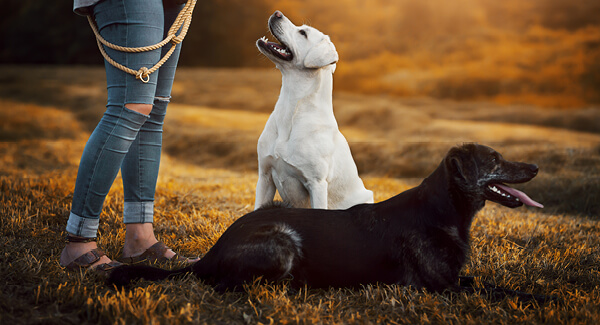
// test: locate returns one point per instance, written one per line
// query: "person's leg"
(129, 23)
(140, 172)
(141, 165)
(98, 168)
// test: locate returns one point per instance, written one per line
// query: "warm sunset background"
(415, 78)
(540, 52)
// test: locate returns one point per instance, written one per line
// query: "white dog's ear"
(321, 55)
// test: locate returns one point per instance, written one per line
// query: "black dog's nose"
(277, 14)
(534, 168)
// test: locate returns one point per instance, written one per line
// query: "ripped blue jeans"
(125, 139)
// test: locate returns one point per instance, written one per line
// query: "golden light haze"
(541, 52)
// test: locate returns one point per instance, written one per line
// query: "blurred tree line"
(223, 33)
(541, 52)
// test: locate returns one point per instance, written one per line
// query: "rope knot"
(143, 74)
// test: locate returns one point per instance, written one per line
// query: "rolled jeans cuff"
(138, 212)
(82, 227)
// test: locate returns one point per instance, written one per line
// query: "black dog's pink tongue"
(522, 196)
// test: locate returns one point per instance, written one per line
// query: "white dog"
(301, 152)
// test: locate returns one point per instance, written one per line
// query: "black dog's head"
(482, 173)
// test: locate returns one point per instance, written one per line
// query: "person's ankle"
(138, 238)
(73, 251)
(139, 231)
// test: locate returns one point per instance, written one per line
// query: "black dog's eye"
(303, 33)
(495, 157)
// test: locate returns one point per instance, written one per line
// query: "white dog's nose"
(277, 14)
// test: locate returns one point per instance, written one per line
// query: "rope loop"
(143, 74)
(182, 22)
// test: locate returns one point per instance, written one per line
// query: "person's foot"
(141, 244)
(82, 255)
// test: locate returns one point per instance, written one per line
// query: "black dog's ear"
(459, 164)
(455, 166)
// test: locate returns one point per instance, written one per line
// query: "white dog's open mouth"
(278, 50)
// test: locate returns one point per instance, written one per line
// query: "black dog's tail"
(123, 275)
(276, 205)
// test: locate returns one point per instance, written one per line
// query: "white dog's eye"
(303, 33)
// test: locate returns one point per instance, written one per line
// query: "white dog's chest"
(305, 147)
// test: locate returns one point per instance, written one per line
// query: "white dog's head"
(301, 47)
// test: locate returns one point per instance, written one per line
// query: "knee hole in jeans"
(140, 108)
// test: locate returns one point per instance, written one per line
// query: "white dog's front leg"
(265, 190)
(318, 194)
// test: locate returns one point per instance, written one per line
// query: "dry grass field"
(207, 181)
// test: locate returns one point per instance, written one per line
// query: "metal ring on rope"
(143, 73)
(183, 21)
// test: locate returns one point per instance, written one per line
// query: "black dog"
(419, 237)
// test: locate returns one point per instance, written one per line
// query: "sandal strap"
(74, 239)
(155, 253)
(152, 254)
(107, 267)
(87, 259)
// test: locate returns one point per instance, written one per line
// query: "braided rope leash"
(183, 21)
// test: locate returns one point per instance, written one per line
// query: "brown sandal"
(86, 260)
(156, 253)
